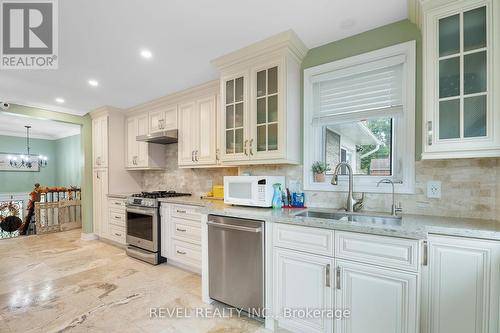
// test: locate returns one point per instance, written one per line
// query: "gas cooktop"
(150, 199)
(159, 194)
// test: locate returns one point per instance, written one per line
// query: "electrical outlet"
(434, 189)
(209, 183)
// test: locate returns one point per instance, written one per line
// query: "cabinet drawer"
(117, 218)
(185, 230)
(314, 240)
(117, 234)
(186, 253)
(186, 212)
(116, 204)
(379, 250)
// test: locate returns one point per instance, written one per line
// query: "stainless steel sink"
(323, 215)
(373, 219)
(350, 217)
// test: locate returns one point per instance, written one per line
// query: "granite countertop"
(119, 195)
(412, 226)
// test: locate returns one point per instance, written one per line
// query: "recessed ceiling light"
(146, 54)
(59, 100)
(93, 83)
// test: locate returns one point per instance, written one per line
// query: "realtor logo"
(29, 34)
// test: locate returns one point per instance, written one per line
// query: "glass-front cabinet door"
(266, 107)
(458, 80)
(234, 140)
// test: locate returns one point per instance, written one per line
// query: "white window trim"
(312, 144)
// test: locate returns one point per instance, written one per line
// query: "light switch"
(434, 189)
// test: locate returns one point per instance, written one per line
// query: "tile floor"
(59, 283)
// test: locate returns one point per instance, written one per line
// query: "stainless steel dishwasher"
(236, 262)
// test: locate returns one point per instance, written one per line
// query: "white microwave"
(254, 191)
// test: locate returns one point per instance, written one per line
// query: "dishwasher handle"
(234, 227)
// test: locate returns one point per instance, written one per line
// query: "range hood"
(163, 137)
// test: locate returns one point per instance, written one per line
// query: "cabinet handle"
(196, 155)
(118, 217)
(116, 234)
(327, 277)
(217, 152)
(118, 204)
(245, 149)
(161, 124)
(192, 155)
(180, 211)
(429, 133)
(251, 147)
(181, 252)
(97, 174)
(181, 230)
(338, 278)
(425, 259)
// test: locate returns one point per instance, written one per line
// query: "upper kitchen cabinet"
(100, 141)
(197, 132)
(461, 72)
(259, 113)
(162, 119)
(142, 155)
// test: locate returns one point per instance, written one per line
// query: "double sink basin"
(353, 217)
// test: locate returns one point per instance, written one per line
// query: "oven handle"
(140, 211)
(234, 227)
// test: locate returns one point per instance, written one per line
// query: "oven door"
(142, 228)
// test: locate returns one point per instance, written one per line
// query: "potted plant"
(319, 168)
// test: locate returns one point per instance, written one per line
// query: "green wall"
(69, 161)
(64, 167)
(86, 148)
(23, 181)
(395, 33)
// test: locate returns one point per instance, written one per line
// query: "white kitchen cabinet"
(142, 155)
(260, 102)
(116, 220)
(109, 173)
(162, 119)
(100, 141)
(380, 300)
(198, 132)
(461, 286)
(461, 72)
(99, 200)
(303, 281)
(181, 235)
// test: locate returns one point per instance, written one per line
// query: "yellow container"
(218, 191)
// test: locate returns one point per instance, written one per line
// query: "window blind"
(355, 92)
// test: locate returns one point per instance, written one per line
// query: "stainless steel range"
(143, 225)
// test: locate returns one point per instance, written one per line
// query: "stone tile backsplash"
(469, 186)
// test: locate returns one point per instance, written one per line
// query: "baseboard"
(89, 236)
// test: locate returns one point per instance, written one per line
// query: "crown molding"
(286, 41)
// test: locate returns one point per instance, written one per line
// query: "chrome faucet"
(395, 209)
(352, 204)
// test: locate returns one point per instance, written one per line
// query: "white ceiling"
(101, 39)
(13, 125)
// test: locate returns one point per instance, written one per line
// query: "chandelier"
(28, 160)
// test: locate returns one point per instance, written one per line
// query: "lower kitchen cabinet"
(378, 297)
(302, 281)
(380, 300)
(181, 235)
(461, 286)
(100, 199)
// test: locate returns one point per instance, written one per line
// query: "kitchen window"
(361, 110)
